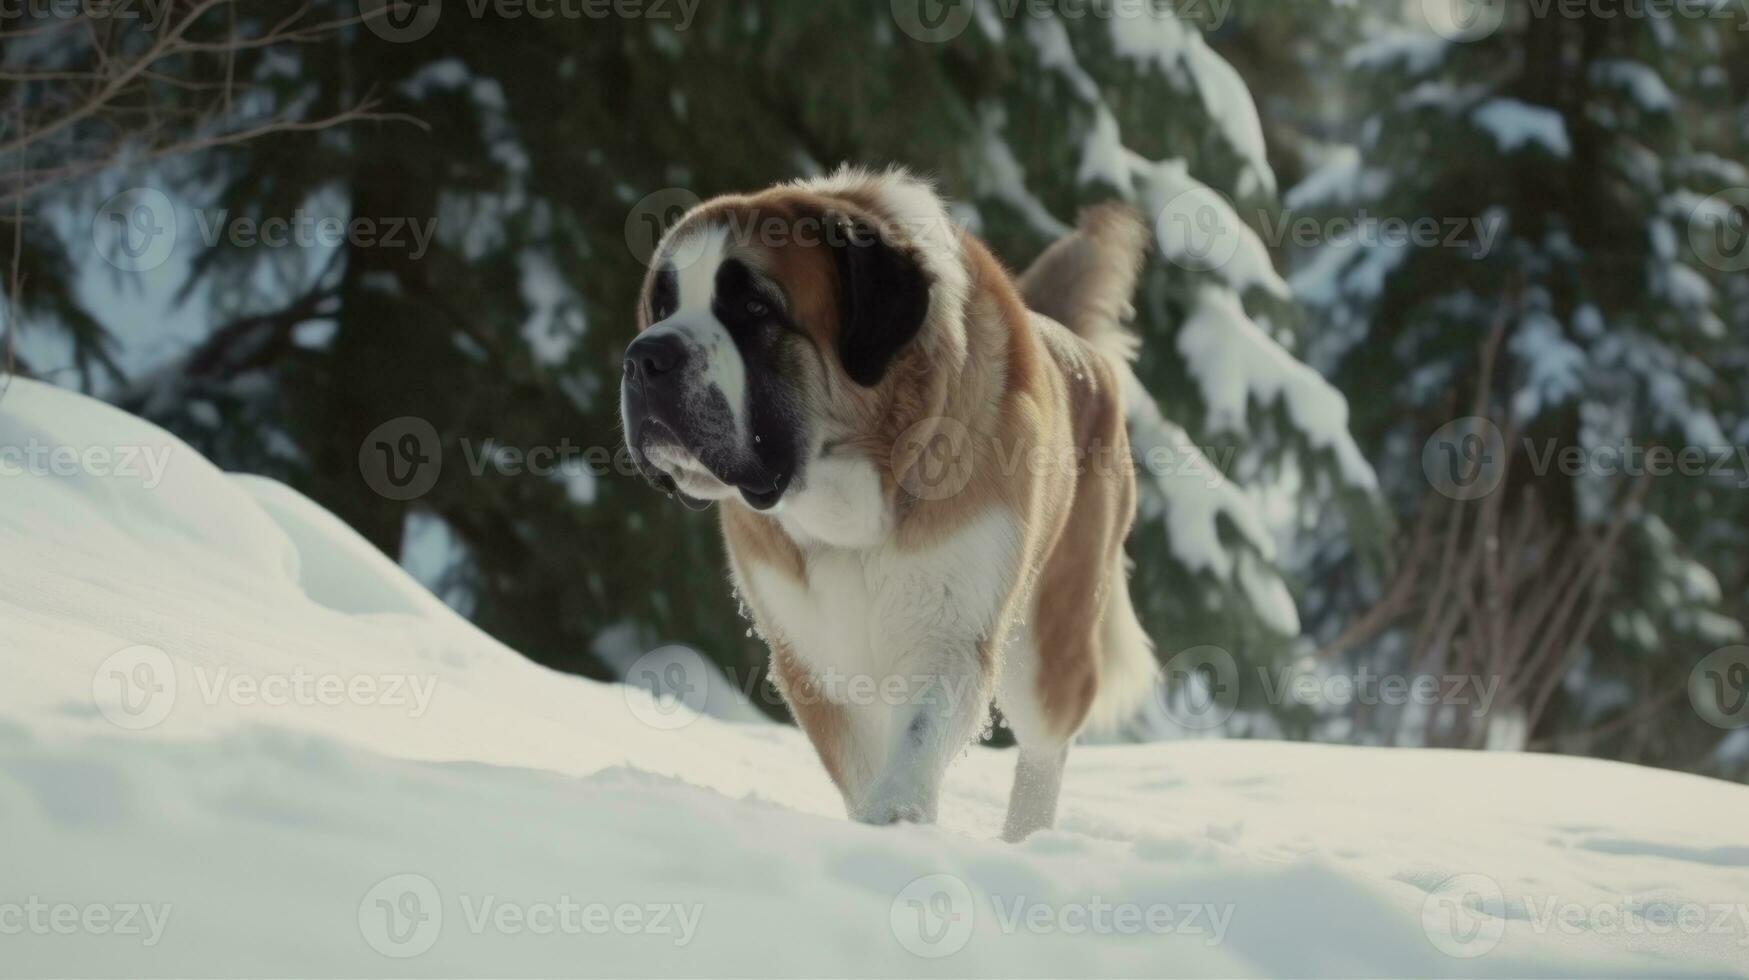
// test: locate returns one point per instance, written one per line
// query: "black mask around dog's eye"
(664, 295)
(739, 302)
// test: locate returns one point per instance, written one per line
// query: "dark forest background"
(1602, 155)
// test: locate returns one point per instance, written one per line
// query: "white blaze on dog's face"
(768, 325)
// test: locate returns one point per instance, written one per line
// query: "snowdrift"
(237, 741)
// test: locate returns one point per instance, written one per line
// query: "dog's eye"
(757, 309)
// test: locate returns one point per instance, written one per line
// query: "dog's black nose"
(653, 359)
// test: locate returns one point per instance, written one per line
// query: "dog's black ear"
(883, 298)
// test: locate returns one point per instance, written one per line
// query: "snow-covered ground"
(236, 741)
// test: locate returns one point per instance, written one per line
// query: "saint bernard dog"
(924, 476)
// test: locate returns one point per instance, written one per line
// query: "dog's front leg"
(948, 698)
(840, 732)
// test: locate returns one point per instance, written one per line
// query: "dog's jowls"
(924, 477)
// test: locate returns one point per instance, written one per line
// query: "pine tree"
(1573, 151)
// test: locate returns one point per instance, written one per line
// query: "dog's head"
(775, 328)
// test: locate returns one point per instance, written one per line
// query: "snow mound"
(236, 741)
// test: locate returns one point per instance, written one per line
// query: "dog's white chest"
(841, 505)
(866, 612)
(828, 620)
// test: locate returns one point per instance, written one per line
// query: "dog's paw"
(889, 805)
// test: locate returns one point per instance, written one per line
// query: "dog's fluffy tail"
(1129, 673)
(1085, 280)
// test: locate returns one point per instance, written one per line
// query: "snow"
(1002, 178)
(1193, 491)
(1441, 95)
(1418, 52)
(1342, 178)
(1104, 160)
(555, 321)
(1237, 365)
(1055, 53)
(1554, 367)
(494, 818)
(1161, 41)
(1514, 124)
(1335, 272)
(1198, 228)
(1645, 85)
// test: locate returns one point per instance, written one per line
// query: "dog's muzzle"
(668, 406)
(651, 395)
